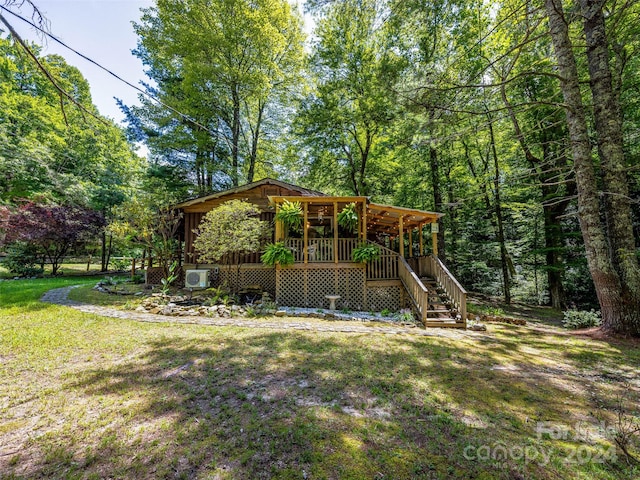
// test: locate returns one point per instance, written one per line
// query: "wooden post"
(335, 232)
(401, 239)
(305, 236)
(364, 221)
(420, 241)
(133, 266)
(434, 238)
(410, 242)
(278, 225)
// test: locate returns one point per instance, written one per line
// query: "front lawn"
(83, 396)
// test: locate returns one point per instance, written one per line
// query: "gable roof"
(265, 181)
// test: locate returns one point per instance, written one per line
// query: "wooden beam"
(410, 242)
(319, 200)
(278, 225)
(434, 242)
(305, 235)
(401, 233)
(364, 220)
(335, 232)
(420, 241)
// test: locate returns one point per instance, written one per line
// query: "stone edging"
(60, 296)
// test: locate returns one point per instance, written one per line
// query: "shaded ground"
(83, 396)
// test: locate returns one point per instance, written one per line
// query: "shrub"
(365, 252)
(23, 259)
(581, 319)
(277, 254)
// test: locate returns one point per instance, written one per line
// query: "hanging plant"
(277, 254)
(348, 218)
(365, 252)
(290, 214)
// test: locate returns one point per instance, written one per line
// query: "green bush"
(23, 259)
(365, 252)
(277, 254)
(581, 319)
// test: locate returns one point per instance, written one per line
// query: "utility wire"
(115, 75)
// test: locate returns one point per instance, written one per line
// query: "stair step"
(444, 324)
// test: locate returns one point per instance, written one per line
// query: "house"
(405, 274)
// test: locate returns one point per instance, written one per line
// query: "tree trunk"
(504, 256)
(608, 122)
(103, 252)
(235, 136)
(437, 199)
(553, 234)
(617, 315)
(254, 143)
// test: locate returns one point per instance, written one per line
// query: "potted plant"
(348, 218)
(365, 252)
(277, 254)
(290, 214)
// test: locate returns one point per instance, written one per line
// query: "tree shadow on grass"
(244, 404)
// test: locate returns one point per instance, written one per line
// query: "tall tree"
(223, 64)
(611, 250)
(343, 122)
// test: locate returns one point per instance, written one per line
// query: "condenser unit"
(196, 279)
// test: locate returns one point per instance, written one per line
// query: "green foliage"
(48, 146)
(291, 216)
(386, 312)
(233, 228)
(581, 319)
(23, 259)
(231, 66)
(348, 218)
(405, 315)
(120, 264)
(277, 254)
(172, 276)
(365, 252)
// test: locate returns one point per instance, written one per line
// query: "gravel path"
(60, 296)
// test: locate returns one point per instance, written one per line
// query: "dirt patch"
(597, 333)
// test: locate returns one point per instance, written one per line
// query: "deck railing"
(321, 249)
(433, 267)
(417, 291)
(384, 267)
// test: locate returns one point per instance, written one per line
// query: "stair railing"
(433, 267)
(416, 289)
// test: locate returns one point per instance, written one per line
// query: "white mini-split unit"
(196, 279)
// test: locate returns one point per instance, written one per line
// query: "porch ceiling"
(386, 218)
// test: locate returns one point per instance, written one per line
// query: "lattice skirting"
(308, 287)
(389, 295)
(250, 275)
(154, 276)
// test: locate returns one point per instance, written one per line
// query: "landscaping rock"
(280, 313)
(478, 327)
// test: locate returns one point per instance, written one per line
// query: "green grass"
(83, 396)
(78, 269)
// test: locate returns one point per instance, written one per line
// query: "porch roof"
(386, 218)
(380, 218)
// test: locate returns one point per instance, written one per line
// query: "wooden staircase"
(445, 302)
(440, 312)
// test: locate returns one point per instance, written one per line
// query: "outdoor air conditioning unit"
(196, 279)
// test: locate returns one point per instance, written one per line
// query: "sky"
(101, 30)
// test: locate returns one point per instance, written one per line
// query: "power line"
(113, 74)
